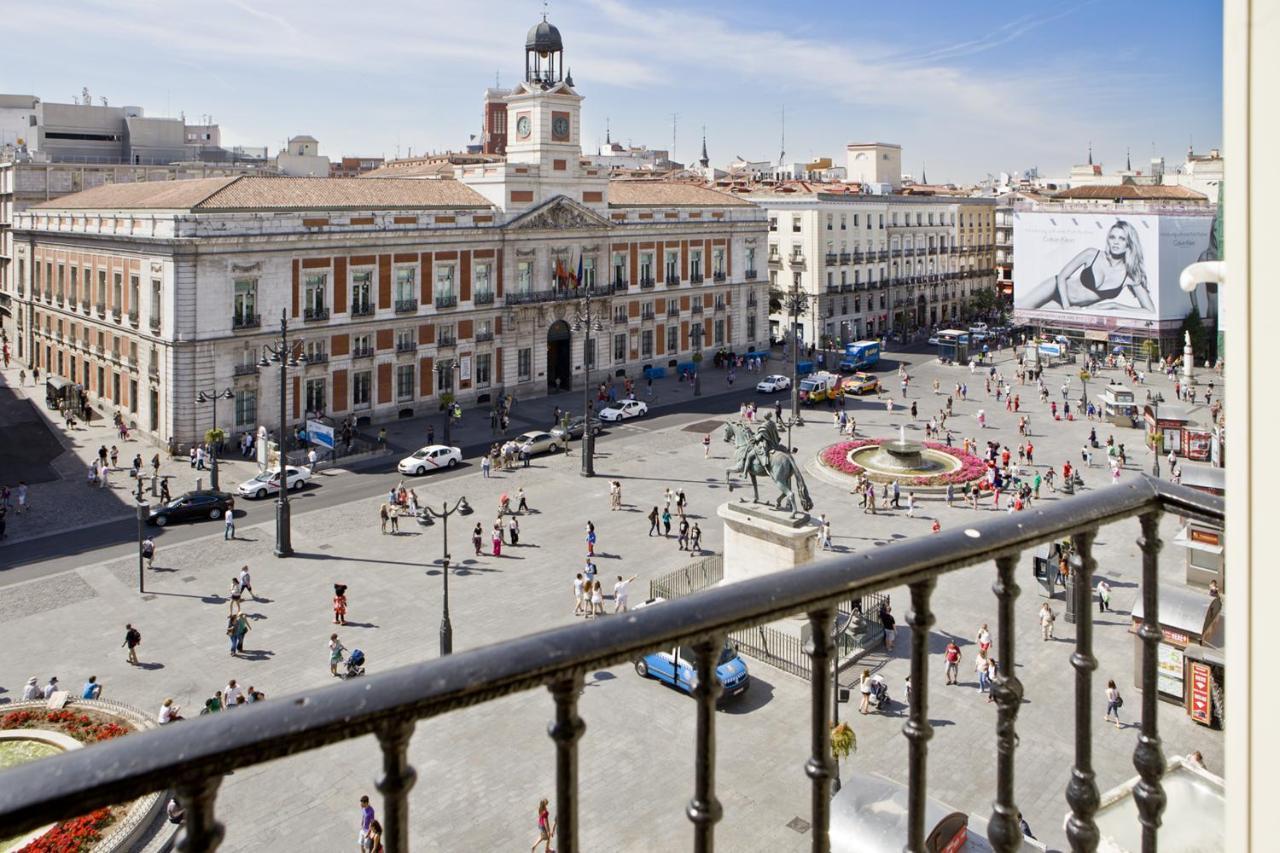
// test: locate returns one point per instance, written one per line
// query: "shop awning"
(1182, 609)
(1184, 540)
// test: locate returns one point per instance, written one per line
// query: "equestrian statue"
(760, 451)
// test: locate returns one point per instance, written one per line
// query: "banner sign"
(1201, 681)
(318, 433)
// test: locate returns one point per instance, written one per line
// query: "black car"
(575, 428)
(192, 506)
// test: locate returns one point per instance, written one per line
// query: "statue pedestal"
(759, 540)
(1188, 365)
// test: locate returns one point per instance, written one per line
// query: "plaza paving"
(481, 771)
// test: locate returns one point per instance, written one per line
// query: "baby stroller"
(355, 663)
(879, 693)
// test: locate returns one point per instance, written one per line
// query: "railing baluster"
(1005, 830)
(917, 729)
(1148, 757)
(565, 731)
(397, 779)
(1082, 790)
(201, 831)
(819, 766)
(704, 809)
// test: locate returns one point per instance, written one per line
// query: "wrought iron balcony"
(117, 315)
(695, 278)
(84, 303)
(752, 302)
(619, 285)
(411, 346)
(406, 306)
(718, 277)
(719, 306)
(190, 758)
(646, 314)
(362, 309)
(846, 257)
(245, 321)
(673, 310)
(833, 288)
(775, 261)
(696, 308)
(315, 313)
(646, 283)
(362, 352)
(832, 257)
(483, 337)
(133, 318)
(673, 281)
(317, 358)
(250, 369)
(447, 341)
(482, 297)
(446, 300)
(750, 275)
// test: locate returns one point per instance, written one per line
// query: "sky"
(967, 89)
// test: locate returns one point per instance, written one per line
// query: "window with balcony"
(482, 284)
(406, 340)
(155, 304)
(773, 223)
(316, 351)
(74, 286)
(315, 304)
(844, 222)
(244, 309)
(620, 348)
(406, 295)
(484, 331)
(717, 263)
(830, 221)
(316, 395)
(881, 221)
(445, 295)
(751, 327)
(619, 263)
(404, 382)
(484, 369)
(646, 268)
(135, 297)
(48, 281)
(524, 276)
(646, 343)
(673, 338)
(361, 346)
(102, 292)
(524, 364)
(361, 293)
(671, 261)
(247, 407)
(446, 336)
(362, 389)
(795, 224)
(695, 265)
(588, 272)
(751, 262)
(117, 294)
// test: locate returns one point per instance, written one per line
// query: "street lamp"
(212, 396)
(446, 371)
(142, 518)
(795, 303)
(696, 333)
(287, 355)
(585, 323)
(446, 626)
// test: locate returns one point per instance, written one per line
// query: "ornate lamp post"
(287, 355)
(212, 396)
(142, 519)
(449, 370)
(795, 303)
(446, 626)
(586, 320)
(697, 333)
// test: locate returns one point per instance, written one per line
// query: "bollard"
(155, 486)
(199, 484)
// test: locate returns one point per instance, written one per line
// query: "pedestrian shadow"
(255, 655)
(149, 665)
(358, 625)
(598, 678)
(166, 570)
(256, 617)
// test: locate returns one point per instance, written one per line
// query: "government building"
(398, 290)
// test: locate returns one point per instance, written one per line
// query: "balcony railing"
(562, 295)
(750, 275)
(695, 278)
(696, 308)
(833, 288)
(133, 318)
(315, 313)
(411, 346)
(245, 321)
(406, 306)
(317, 358)
(246, 369)
(673, 310)
(845, 258)
(362, 352)
(775, 260)
(647, 283)
(447, 341)
(482, 297)
(646, 314)
(84, 305)
(154, 322)
(832, 257)
(117, 315)
(752, 302)
(718, 277)
(483, 337)
(190, 758)
(362, 309)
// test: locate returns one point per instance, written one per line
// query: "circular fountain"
(912, 463)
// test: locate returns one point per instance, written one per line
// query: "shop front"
(1205, 551)
(1118, 406)
(1165, 424)
(1191, 631)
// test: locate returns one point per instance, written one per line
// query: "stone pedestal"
(1188, 365)
(759, 540)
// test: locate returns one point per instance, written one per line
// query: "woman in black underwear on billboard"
(1108, 279)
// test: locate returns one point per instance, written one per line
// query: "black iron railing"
(482, 297)
(191, 758)
(362, 309)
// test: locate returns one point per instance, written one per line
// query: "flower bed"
(838, 458)
(83, 833)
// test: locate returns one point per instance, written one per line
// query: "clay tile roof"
(266, 193)
(1132, 192)
(155, 195)
(641, 193)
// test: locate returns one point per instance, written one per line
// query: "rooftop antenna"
(1091, 153)
(497, 79)
(924, 180)
(675, 119)
(782, 154)
(607, 139)
(705, 161)
(1128, 163)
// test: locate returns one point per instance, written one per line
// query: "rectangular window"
(751, 326)
(483, 369)
(22, 277)
(524, 364)
(673, 338)
(361, 344)
(646, 266)
(588, 272)
(74, 289)
(361, 389)
(117, 293)
(135, 295)
(482, 285)
(362, 292)
(60, 290)
(524, 276)
(133, 396)
(795, 224)
(773, 223)
(717, 261)
(315, 351)
(695, 264)
(406, 287)
(404, 382)
(751, 259)
(406, 340)
(317, 399)
(619, 267)
(444, 282)
(646, 343)
(620, 348)
(718, 330)
(316, 296)
(672, 264)
(245, 307)
(589, 351)
(843, 222)
(102, 289)
(830, 217)
(155, 303)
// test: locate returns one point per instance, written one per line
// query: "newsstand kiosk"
(1190, 662)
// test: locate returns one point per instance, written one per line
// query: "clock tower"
(543, 111)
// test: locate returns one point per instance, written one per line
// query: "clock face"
(560, 127)
(522, 126)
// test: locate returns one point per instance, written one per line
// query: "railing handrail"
(118, 770)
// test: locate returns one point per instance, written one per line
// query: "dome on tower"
(543, 38)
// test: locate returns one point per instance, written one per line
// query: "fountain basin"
(919, 464)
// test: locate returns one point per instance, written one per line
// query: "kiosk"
(1118, 406)
(1204, 546)
(1166, 423)
(953, 346)
(1188, 618)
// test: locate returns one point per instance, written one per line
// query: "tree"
(1201, 345)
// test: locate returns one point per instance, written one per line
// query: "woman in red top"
(546, 827)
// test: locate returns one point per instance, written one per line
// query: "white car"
(623, 410)
(268, 482)
(773, 383)
(430, 458)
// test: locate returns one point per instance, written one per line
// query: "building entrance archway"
(559, 361)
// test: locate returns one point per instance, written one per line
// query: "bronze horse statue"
(762, 453)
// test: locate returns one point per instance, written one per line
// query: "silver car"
(537, 442)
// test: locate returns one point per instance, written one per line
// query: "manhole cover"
(799, 824)
(704, 426)
(188, 578)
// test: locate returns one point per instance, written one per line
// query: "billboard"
(1100, 268)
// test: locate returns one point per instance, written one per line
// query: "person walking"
(477, 537)
(522, 501)
(681, 502)
(246, 584)
(234, 597)
(393, 515)
(695, 538)
(22, 497)
(1047, 618)
(495, 538)
(132, 639)
(682, 537)
(653, 521)
(980, 666)
(992, 669)
(1114, 703)
(579, 593)
(513, 531)
(591, 539)
(546, 828)
(366, 825)
(335, 655)
(149, 550)
(824, 532)
(615, 495)
(706, 446)
(1104, 596)
(984, 639)
(339, 604)
(229, 519)
(952, 657)
(597, 599)
(666, 522)
(896, 494)
(239, 627)
(864, 689)
(890, 626)
(911, 504)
